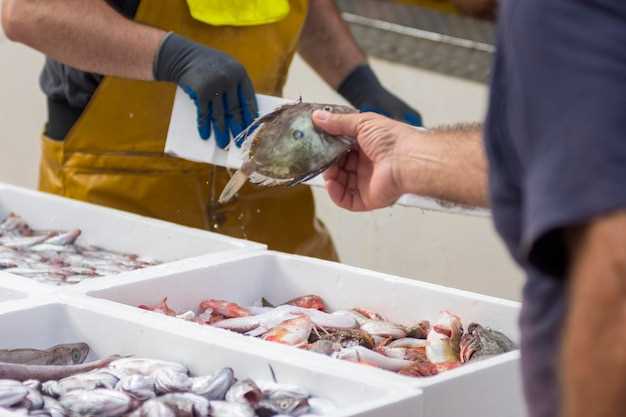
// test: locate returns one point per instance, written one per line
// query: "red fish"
(309, 301)
(225, 308)
(162, 308)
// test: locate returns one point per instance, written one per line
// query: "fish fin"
(273, 374)
(310, 175)
(244, 135)
(236, 182)
(266, 303)
(266, 181)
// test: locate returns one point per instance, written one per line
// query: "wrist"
(157, 55)
(419, 163)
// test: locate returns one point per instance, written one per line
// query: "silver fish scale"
(53, 257)
(11, 393)
(96, 403)
(168, 380)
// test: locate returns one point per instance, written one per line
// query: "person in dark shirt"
(110, 77)
(554, 174)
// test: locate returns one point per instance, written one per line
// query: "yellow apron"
(113, 155)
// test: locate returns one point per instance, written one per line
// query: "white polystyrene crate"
(116, 230)
(491, 387)
(108, 330)
(9, 294)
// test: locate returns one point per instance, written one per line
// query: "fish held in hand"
(66, 354)
(481, 342)
(286, 148)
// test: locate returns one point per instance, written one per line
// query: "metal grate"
(413, 35)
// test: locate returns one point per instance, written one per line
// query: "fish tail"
(236, 182)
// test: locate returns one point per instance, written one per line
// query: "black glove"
(217, 83)
(363, 90)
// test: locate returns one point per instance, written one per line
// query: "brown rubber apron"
(113, 155)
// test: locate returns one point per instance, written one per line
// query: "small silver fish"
(167, 380)
(228, 409)
(11, 393)
(65, 354)
(287, 148)
(96, 403)
(153, 408)
(214, 387)
(186, 404)
(146, 367)
(244, 392)
(53, 407)
(138, 387)
(33, 400)
(283, 402)
(364, 355)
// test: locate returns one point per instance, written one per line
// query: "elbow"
(15, 19)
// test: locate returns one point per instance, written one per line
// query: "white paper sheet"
(183, 141)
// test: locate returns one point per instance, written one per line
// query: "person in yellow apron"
(105, 136)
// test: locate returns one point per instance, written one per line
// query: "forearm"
(593, 355)
(87, 35)
(445, 163)
(327, 44)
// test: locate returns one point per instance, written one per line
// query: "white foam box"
(491, 387)
(43, 322)
(115, 230)
(9, 294)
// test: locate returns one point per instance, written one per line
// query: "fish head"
(79, 352)
(288, 146)
(444, 337)
(449, 325)
(284, 404)
(480, 342)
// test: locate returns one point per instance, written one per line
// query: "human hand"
(364, 91)
(218, 85)
(368, 177)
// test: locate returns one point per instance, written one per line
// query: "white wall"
(452, 250)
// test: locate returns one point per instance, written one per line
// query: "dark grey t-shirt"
(556, 142)
(63, 83)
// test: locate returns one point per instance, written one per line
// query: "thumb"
(337, 124)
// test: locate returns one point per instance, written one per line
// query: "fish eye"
(76, 356)
(327, 108)
(297, 134)
(284, 404)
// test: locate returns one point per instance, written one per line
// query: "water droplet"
(131, 115)
(258, 211)
(241, 216)
(216, 226)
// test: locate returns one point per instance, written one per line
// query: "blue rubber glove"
(363, 90)
(217, 83)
